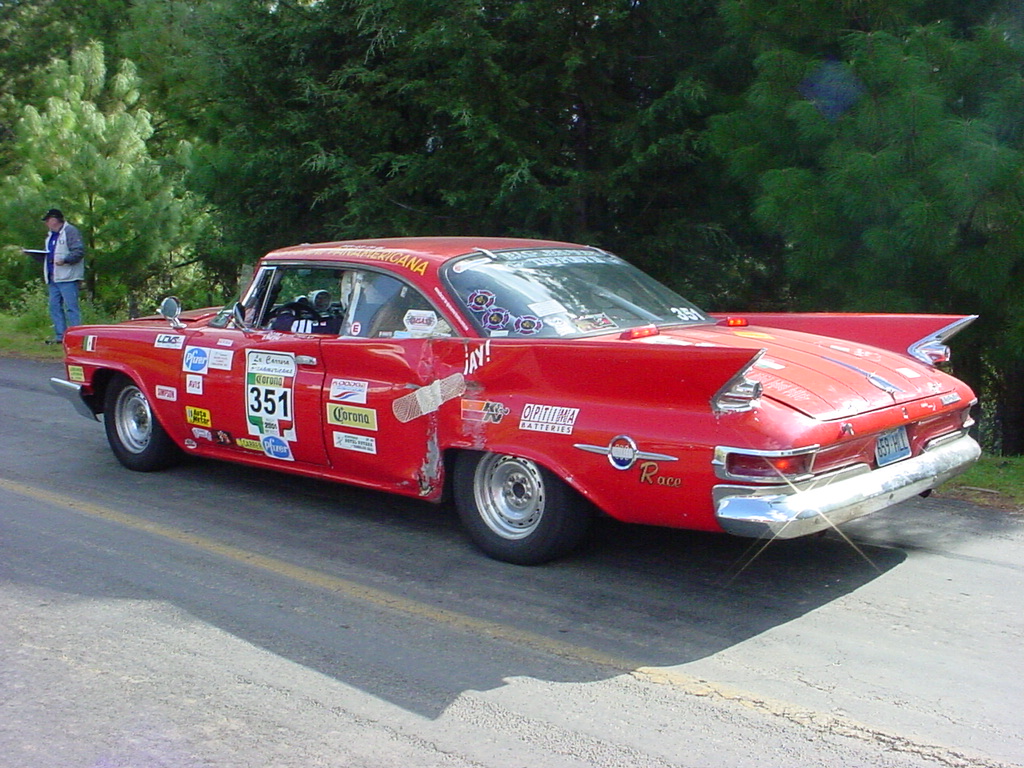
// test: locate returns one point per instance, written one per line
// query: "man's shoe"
(53, 341)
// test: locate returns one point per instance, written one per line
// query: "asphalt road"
(213, 615)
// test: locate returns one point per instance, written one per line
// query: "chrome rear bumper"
(73, 392)
(790, 515)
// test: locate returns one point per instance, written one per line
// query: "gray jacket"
(70, 249)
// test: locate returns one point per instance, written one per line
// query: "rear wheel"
(135, 436)
(516, 510)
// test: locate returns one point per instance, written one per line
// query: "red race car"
(546, 381)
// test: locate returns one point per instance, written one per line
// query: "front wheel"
(135, 436)
(516, 510)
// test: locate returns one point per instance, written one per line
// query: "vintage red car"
(540, 382)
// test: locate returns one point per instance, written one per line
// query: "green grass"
(996, 481)
(20, 337)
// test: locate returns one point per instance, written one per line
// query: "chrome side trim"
(73, 392)
(790, 515)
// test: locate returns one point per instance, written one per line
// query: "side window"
(383, 307)
(305, 300)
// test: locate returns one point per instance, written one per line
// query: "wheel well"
(100, 381)
(451, 455)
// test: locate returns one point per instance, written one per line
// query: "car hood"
(823, 377)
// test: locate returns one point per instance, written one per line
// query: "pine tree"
(889, 159)
(86, 151)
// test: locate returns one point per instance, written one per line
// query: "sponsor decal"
(649, 473)
(201, 434)
(249, 444)
(194, 384)
(358, 443)
(196, 360)
(272, 363)
(190, 443)
(198, 416)
(527, 325)
(166, 393)
(222, 437)
(598, 322)
(349, 390)
(420, 321)
(169, 341)
(754, 335)
(89, 344)
(548, 418)
(476, 358)
(351, 416)
(495, 318)
(221, 359)
(269, 393)
(277, 448)
(483, 411)
(410, 262)
(622, 452)
(950, 398)
(76, 373)
(908, 373)
(224, 342)
(480, 300)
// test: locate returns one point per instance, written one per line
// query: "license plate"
(892, 446)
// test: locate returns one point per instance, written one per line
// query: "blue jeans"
(64, 307)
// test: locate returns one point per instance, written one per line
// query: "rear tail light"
(764, 466)
(932, 350)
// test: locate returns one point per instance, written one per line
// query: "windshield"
(561, 292)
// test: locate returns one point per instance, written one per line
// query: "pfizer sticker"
(196, 360)
(276, 448)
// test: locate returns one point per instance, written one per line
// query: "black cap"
(54, 213)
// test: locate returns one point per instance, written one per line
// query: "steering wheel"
(301, 309)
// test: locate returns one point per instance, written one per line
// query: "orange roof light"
(640, 332)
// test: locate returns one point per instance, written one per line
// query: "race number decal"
(270, 393)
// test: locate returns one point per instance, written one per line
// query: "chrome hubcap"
(133, 419)
(509, 493)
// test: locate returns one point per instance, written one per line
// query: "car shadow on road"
(639, 596)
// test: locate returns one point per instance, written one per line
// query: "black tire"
(516, 510)
(136, 437)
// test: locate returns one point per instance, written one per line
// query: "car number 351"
(270, 401)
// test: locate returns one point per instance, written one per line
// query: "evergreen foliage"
(767, 154)
(85, 151)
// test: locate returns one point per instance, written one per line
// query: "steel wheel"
(516, 510)
(509, 493)
(135, 435)
(133, 420)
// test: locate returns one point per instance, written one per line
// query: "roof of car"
(434, 250)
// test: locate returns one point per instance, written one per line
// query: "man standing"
(63, 270)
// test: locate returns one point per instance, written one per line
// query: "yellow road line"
(819, 721)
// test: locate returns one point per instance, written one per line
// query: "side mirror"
(170, 308)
